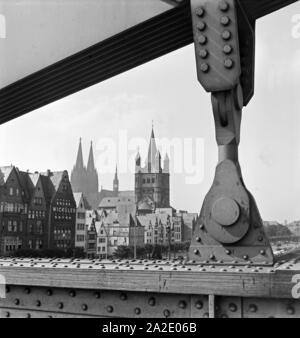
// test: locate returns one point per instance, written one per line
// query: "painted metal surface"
(110, 55)
(175, 289)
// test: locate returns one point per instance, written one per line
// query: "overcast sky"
(167, 92)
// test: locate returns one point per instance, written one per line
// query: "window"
(30, 244)
(153, 180)
(81, 215)
(39, 227)
(80, 226)
(9, 226)
(11, 191)
(80, 238)
(39, 244)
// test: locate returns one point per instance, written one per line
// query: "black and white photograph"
(149, 162)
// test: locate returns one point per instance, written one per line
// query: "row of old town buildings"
(51, 210)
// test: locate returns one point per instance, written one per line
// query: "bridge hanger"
(229, 229)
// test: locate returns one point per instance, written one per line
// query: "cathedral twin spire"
(85, 179)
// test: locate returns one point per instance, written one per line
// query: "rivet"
(228, 63)
(123, 296)
(72, 293)
(201, 226)
(97, 294)
(232, 307)
(245, 257)
(260, 238)
(182, 304)
(49, 292)
(226, 35)
(205, 315)
(27, 290)
(167, 313)
(199, 305)
(109, 309)
(196, 251)
(227, 49)
(200, 12)
(262, 252)
(228, 252)
(212, 256)
(7, 314)
(201, 26)
(84, 307)
(224, 6)
(225, 20)
(38, 303)
(137, 310)
(151, 301)
(60, 305)
(28, 315)
(202, 39)
(253, 308)
(17, 301)
(203, 53)
(290, 310)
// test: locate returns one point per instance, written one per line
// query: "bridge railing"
(144, 288)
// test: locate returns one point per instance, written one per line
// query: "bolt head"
(167, 313)
(201, 26)
(253, 308)
(182, 304)
(227, 49)
(200, 12)
(223, 6)
(226, 35)
(204, 67)
(228, 63)
(225, 20)
(203, 53)
(202, 39)
(290, 310)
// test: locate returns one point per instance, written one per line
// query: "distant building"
(92, 238)
(37, 211)
(62, 217)
(15, 192)
(116, 228)
(82, 217)
(152, 181)
(85, 180)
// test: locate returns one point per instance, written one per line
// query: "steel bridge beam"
(99, 288)
(152, 38)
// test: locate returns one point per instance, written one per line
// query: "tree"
(122, 252)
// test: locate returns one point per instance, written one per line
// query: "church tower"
(152, 182)
(92, 175)
(78, 174)
(116, 182)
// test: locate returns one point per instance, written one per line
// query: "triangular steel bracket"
(230, 229)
